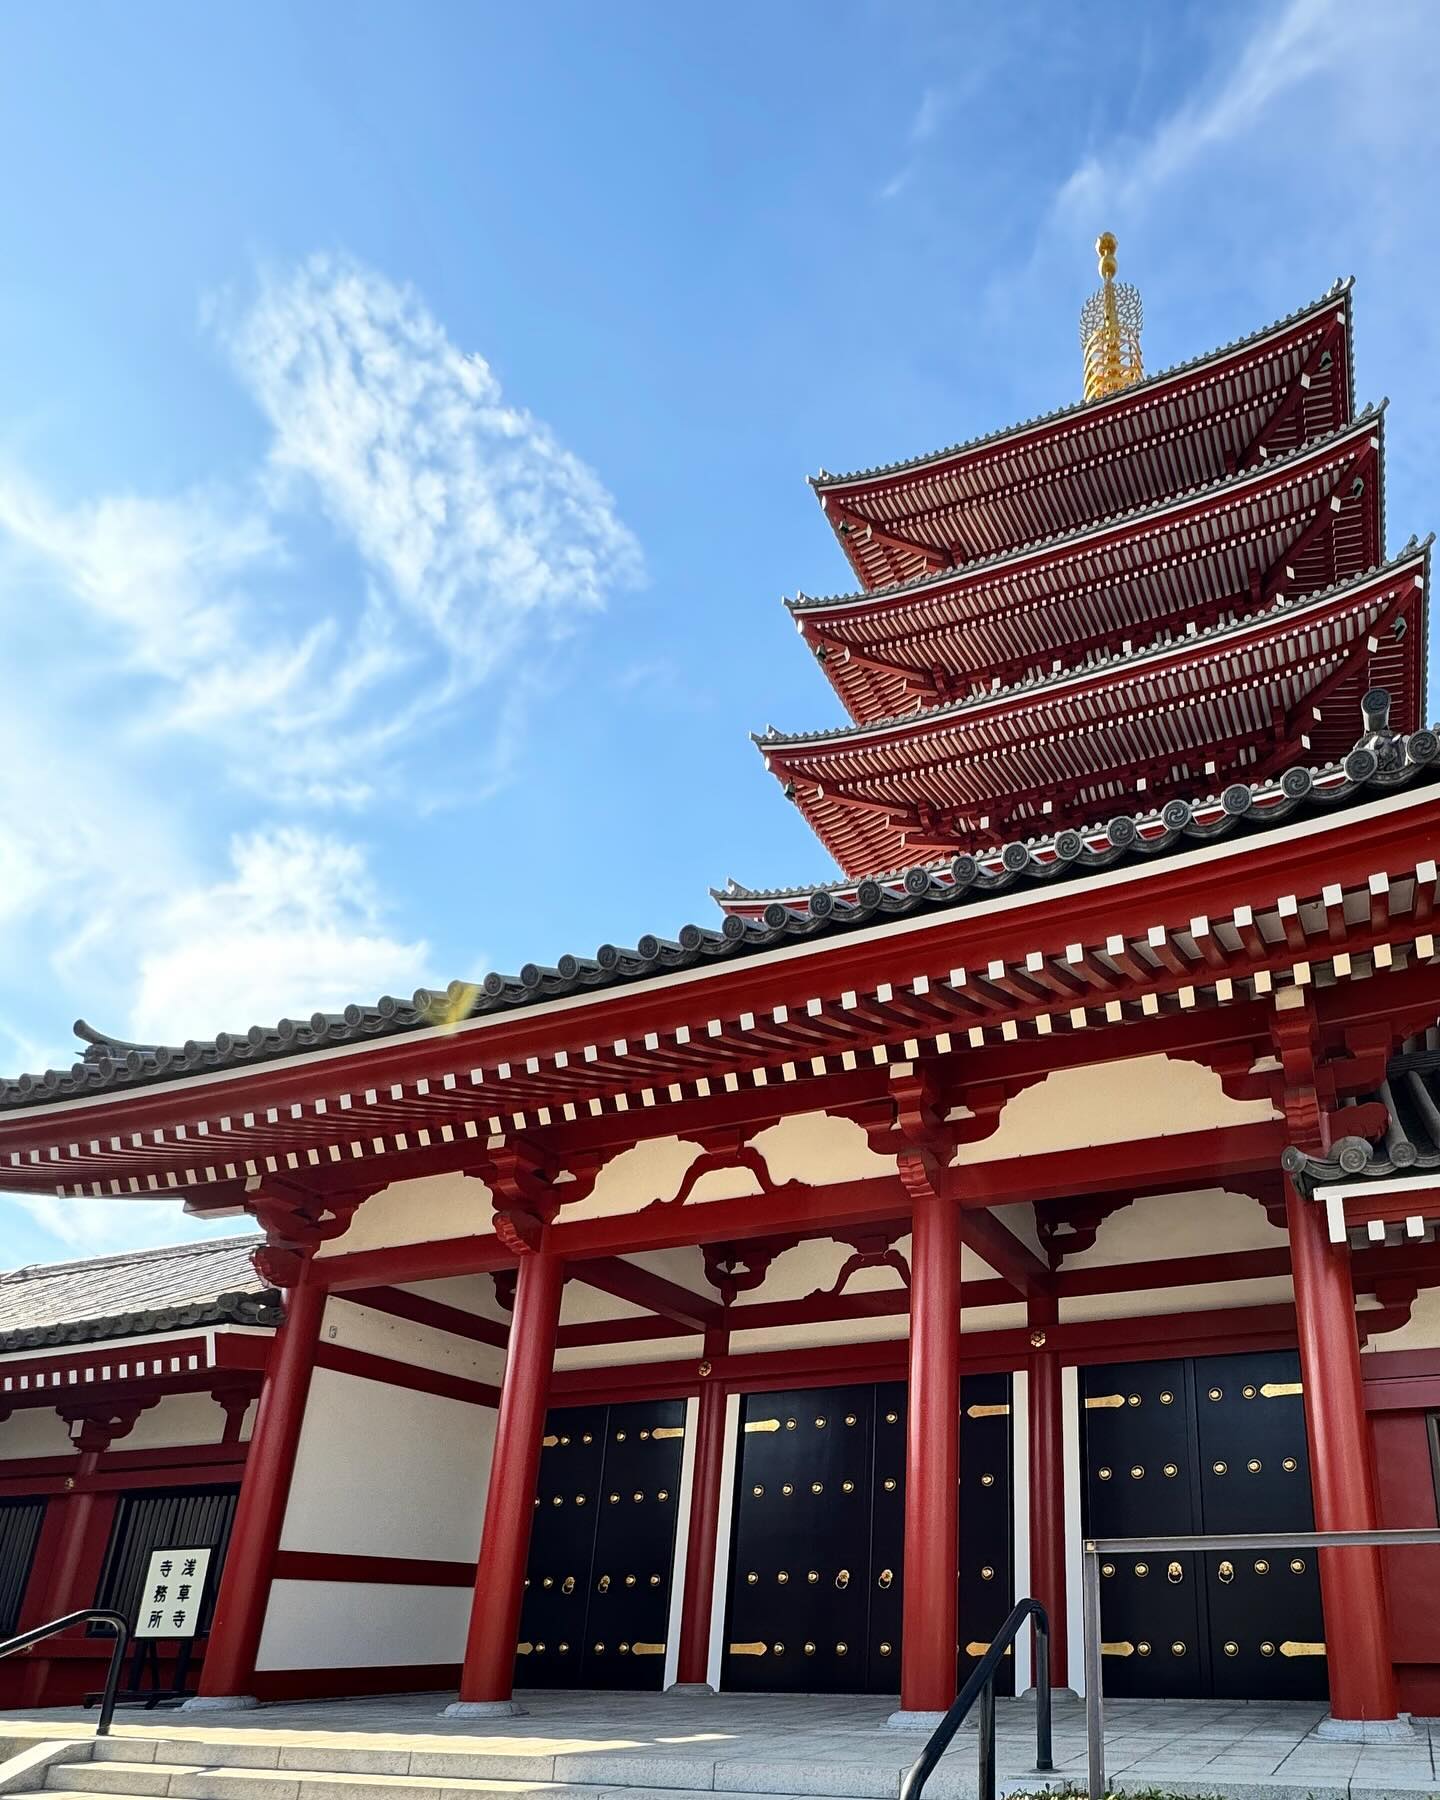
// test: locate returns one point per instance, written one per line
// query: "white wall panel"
(361, 1625)
(178, 1419)
(382, 1334)
(387, 1471)
(34, 1431)
(423, 1211)
(1423, 1331)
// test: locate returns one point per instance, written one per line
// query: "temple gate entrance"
(1212, 1444)
(819, 1530)
(597, 1581)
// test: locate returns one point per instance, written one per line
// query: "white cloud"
(90, 1227)
(468, 511)
(296, 927)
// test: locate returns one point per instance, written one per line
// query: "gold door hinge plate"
(748, 1649)
(668, 1431)
(762, 1425)
(979, 1649)
(987, 1412)
(1278, 1390)
(651, 1649)
(1120, 1649)
(523, 1649)
(550, 1440)
(1104, 1402)
(1291, 1648)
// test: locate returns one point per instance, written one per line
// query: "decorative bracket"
(95, 1424)
(741, 1267)
(525, 1191)
(296, 1221)
(871, 1248)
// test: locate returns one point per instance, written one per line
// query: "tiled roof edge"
(1340, 289)
(264, 1309)
(1380, 761)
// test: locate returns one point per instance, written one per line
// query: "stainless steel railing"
(1095, 1548)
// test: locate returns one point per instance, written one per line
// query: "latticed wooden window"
(20, 1522)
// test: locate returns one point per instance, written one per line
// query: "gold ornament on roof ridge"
(1110, 323)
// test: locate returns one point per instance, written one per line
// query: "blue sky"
(406, 414)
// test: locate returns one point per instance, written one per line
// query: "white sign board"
(169, 1605)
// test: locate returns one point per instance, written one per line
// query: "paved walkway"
(790, 1744)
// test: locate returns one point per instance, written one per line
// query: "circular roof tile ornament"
(822, 904)
(608, 958)
(776, 916)
(568, 966)
(1403, 1154)
(192, 1052)
(1122, 831)
(1237, 799)
(733, 929)
(493, 985)
(1015, 858)
(1352, 1154)
(964, 869)
(1360, 764)
(1293, 1159)
(1422, 746)
(531, 978)
(1296, 783)
(917, 882)
(869, 894)
(1068, 846)
(690, 937)
(1176, 815)
(648, 947)
(1375, 709)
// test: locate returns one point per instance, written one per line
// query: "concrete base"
(219, 1703)
(913, 1721)
(1056, 1695)
(483, 1709)
(691, 1687)
(1398, 1730)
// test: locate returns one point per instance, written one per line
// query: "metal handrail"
(91, 1615)
(981, 1686)
(1094, 1548)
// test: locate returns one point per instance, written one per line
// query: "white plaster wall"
(388, 1471)
(814, 1148)
(1175, 1302)
(382, 1334)
(359, 1625)
(1111, 1103)
(837, 1331)
(34, 1431)
(1423, 1331)
(582, 1304)
(1161, 1226)
(466, 1293)
(178, 1419)
(423, 1211)
(645, 1350)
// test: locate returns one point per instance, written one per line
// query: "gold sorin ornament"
(1110, 323)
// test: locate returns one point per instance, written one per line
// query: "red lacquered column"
(1047, 1489)
(229, 1667)
(487, 1680)
(1362, 1679)
(697, 1602)
(932, 1462)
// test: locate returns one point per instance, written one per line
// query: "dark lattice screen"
(155, 1518)
(19, 1530)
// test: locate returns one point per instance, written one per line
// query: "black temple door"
(602, 1550)
(887, 1538)
(562, 1548)
(799, 1610)
(1142, 1479)
(1266, 1627)
(636, 1514)
(987, 1557)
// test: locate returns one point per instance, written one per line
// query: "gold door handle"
(1291, 1648)
(662, 1432)
(1175, 1574)
(650, 1649)
(1104, 1402)
(1120, 1649)
(762, 1425)
(756, 1649)
(1226, 1572)
(602, 1586)
(523, 1649)
(1276, 1390)
(886, 1577)
(842, 1580)
(987, 1412)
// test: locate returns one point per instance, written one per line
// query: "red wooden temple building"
(767, 1306)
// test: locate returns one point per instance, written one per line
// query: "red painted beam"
(998, 1246)
(627, 1281)
(421, 1309)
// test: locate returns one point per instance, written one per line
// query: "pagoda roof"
(1230, 544)
(1248, 692)
(1379, 765)
(1190, 423)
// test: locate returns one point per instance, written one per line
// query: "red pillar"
(1362, 1679)
(487, 1679)
(693, 1668)
(1047, 1487)
(929, 1644)
(229, 1668)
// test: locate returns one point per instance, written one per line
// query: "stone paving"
(578, 1746)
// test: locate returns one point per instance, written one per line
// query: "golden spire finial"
(1110, 322)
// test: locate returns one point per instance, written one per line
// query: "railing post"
(1044, 1748)
(1094, 1698)
(985, 1783)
